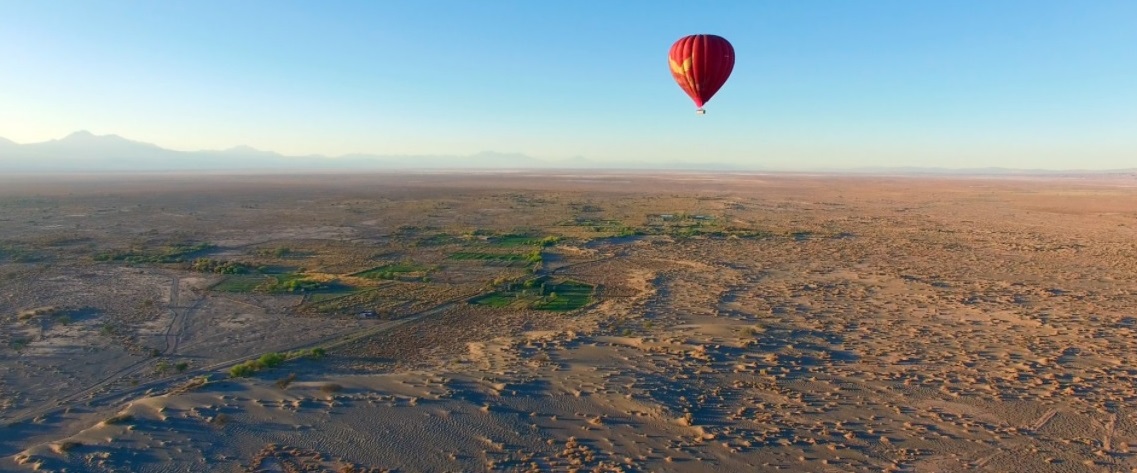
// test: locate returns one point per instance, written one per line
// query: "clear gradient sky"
(1029, 84)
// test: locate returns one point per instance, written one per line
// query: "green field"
(541, 295)
(568, 295)
(275, 269)
(521, 239)
(326, 297)
(391, 271)
(240, 283)
(293, 283)
(476, 256)
(249, 282)
(495, 299)
(280, 283)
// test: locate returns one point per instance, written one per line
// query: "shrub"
(243, 370)
(68, 445)
(19, 343)
(219, 419)
(271, 360)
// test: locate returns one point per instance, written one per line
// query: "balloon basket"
(700, 112)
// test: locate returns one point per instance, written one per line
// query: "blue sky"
(1035, 84)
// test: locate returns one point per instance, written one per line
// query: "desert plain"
(559, 321)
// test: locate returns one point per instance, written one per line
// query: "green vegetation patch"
(280, 252)
(473, 255)
(179, 253)
(496, 299)
(296, 283)
(273, 281)
(533, 257)
(521, 239)
(240, 283)
(540, 294)
(206, 265)
(275, 269)
(16, 254)
(272, 360)
(393, 271)
(568, 295)
(321, 297)
(356, 301)
(19, 343)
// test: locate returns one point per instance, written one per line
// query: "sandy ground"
(972, 326)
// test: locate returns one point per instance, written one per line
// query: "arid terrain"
(568, 322)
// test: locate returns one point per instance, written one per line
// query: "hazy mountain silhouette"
(84, 152)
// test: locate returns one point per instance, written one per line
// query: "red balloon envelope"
(701, 64)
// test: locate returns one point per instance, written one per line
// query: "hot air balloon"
(701, 64)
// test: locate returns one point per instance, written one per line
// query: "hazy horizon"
(889, 84)
(83, 152)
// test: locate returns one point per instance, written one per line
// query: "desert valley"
(558, 321)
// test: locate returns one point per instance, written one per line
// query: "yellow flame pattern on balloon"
(681, 69)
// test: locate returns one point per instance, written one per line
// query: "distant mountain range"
(84, 152)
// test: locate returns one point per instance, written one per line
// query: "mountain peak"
(84, 136)
(249, 149)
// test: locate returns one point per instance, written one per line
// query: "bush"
(68, 445)
(271, 360)
(19, 343)
(219, 419)
(243, 370)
